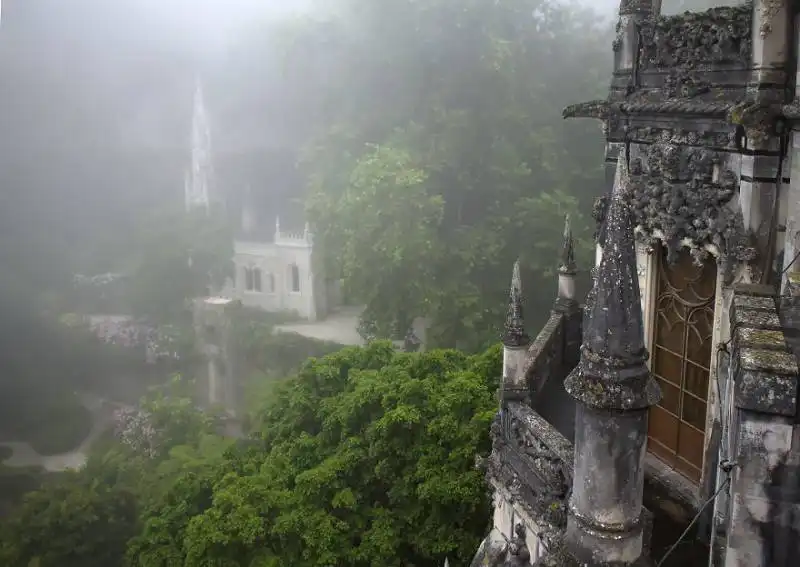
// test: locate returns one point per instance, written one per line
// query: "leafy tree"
(444, 157)
(366, 458)
(176, 257)
(75, 521)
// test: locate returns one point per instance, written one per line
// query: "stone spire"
(515, 335)
(277, 228)
(613, 348)
(200, 174)
(567, 250)
(614, 389)
(515, 344)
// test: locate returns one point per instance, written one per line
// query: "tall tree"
(444, 156)
(367, 457)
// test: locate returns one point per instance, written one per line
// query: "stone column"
(763, 528)
(614, 390)
(792, 200)
(762, 170)
(626, 50)
(217, 383)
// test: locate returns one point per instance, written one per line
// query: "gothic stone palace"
(680, 372)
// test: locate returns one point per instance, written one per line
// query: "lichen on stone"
(681, 194)
(761, 338)
(779, 362)
(719, 36)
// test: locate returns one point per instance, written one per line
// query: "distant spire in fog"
(200, 175)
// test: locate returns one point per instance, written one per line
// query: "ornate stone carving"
(681, 83)
(720, 139)
(791, 111)
(719, 36)
(532, 473)
(542, 460)
(769, 9)
(683, 193)
(759, 120)
(598, 109)
(518, 553)
(616, 45)
(627, 7)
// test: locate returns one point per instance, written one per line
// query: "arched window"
(248, 279)
(294, 278)
(256, 279)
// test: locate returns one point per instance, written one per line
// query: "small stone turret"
(614, 390)
(567, 270)
(515, 343)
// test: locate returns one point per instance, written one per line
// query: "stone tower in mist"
(200, 175)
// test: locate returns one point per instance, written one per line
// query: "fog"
(177, 263)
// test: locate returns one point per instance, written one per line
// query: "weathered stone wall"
(764, 505)
(529, 469)
(530, 472)
(545, 357)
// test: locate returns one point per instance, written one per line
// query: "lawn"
(52, 425)
(14, 484)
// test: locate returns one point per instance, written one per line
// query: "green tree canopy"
(367, 457)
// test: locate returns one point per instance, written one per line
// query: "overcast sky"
(218, 20)
(143, 57)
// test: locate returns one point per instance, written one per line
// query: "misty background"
(96, 102)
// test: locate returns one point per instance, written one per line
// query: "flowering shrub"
(134, 428)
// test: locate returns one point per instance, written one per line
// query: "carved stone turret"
(567, 270)
(515, 343)
(614, 389)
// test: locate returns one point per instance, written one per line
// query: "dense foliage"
(443, 156)
(365, 457)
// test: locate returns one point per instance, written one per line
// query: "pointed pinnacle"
(613, 350)
(567, 250)
(515, 335)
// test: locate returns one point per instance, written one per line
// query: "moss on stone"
(762, 338)
(769, 361)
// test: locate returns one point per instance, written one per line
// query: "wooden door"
(683, 322)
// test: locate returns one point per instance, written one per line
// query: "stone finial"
(644, 7)
(277, 227)
(656, 7)
(515, 335)
(567, 250)
(613, 372)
